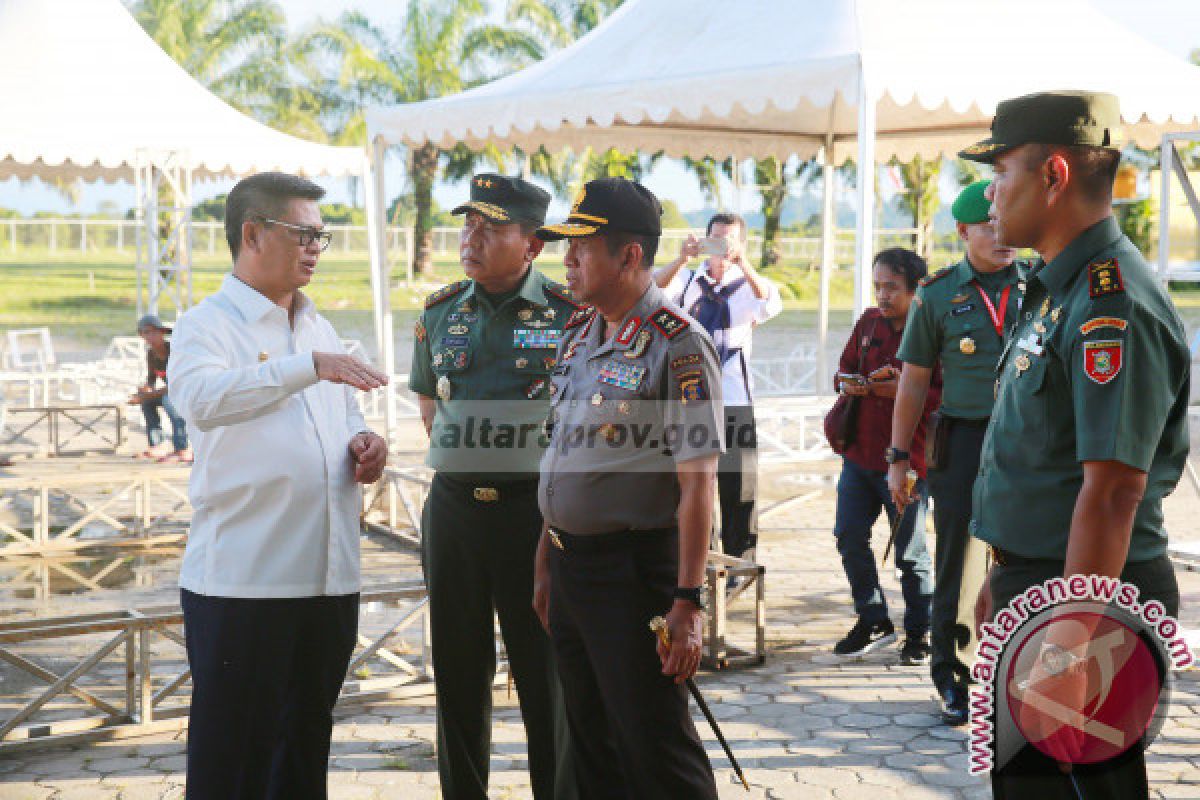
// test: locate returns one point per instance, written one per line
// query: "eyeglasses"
(307, 235)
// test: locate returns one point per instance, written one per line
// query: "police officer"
(1089, 430)
(627, 489)
(482, 354)
(958, 319)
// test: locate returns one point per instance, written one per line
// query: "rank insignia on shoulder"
(670, 323)
(1104, 277)
(445, 293)
(1102, 360)
(563, 293)
(1103, 322)
(419, 332)
(579, 317)
(937, 276)
(692, 388)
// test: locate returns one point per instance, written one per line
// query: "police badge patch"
(692, 388)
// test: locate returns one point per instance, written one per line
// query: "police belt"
(966, 422)
(1006, 558)
(489, 491)
(606, 542)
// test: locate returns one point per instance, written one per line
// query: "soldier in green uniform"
(1089, 430)
(627, 489)
(958, 319)
(483, 352)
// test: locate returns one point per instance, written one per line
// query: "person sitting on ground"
(151, 399)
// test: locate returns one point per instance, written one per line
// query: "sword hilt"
(659, 626)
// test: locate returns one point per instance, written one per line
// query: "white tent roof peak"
(775, 77)
(85, 88)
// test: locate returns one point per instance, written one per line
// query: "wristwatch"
(1057, 659)
(893, 455)
(693, 596)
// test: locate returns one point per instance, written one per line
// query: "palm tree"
(444, 47)
(560, 22)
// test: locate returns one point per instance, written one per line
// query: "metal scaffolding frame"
(163, 181)
(1172, 165)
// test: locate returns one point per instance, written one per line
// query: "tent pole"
(380, 275)
(865, 239)
(828, 250)
(1166, 168)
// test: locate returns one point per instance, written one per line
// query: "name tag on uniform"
(962, 310)
(526, 338)
(623, 376)
(454, 341)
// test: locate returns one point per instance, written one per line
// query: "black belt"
(601, 542)
(1007, 558)
(483, 490)
(970, 423)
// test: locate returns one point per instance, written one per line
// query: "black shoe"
(954, 706)
(915, 651)
(865, 637)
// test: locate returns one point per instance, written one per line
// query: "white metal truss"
(164, 234)
(1173, 167)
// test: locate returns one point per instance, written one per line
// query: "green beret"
(971, 207)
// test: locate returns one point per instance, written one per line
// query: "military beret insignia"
(419, 332)
(1104, 277)
(692, 388)
(580, 316)
(937, 276)
(668, 322)
(563, 293)
(446, 292)
(1102, 360)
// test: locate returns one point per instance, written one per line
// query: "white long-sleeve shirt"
(745, 311)
(275, 505)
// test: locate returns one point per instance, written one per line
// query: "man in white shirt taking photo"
(728, 297)
(270, 576)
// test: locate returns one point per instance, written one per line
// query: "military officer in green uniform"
(957, 320)
(483, 352)
(1089, 430)
(627, 489)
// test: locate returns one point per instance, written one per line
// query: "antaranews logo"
(1077, 667)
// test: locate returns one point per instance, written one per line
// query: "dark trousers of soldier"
(737, 481)
(960, 561)
(1033, 775)
(266, 673)
(478, 557)
(634, 738)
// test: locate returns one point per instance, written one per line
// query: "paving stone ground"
(805, 725)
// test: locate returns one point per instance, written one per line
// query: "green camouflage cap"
(971, 207)
(1065, 118)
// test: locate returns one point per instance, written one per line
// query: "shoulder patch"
(563, 293)
(668, 322)
(1096, 323)
(937, 276)
(1104, 277)
(580, 316)
(445, 293)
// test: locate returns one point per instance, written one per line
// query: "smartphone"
(852, 379)
(714, 246)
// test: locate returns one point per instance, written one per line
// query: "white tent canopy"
(782, 77)
(84, 88)
(776, 77)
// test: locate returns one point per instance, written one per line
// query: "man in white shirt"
(728, 297)
(270, 576)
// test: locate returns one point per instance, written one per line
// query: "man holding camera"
(728, 298)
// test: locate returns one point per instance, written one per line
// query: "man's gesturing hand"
(339, 368)
(369, 452)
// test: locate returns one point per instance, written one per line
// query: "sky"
(1173, 24)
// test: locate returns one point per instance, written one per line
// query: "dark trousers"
(634, 738)
(737, 481)
(266, 674)
(861, 495)
(1033, 775)
(154, 431)
(478, 559)
(960, 561)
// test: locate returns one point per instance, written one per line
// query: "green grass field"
(87, 300)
